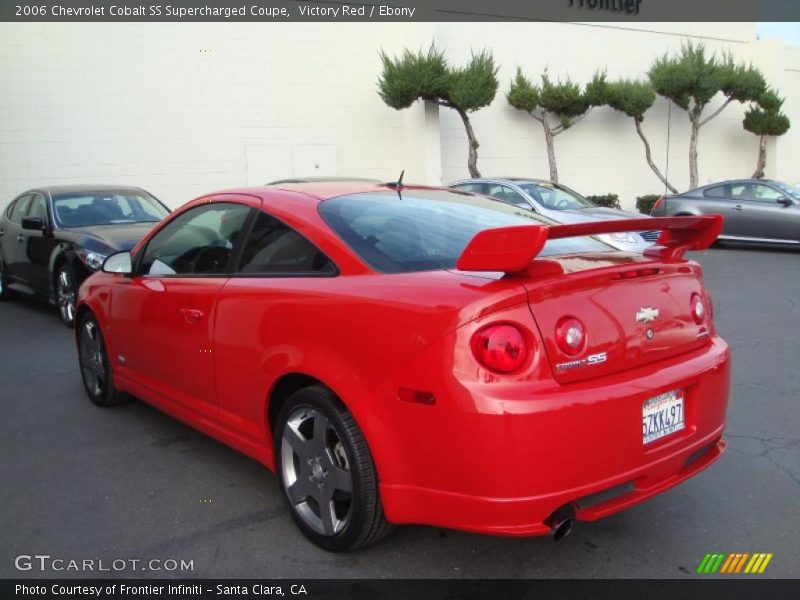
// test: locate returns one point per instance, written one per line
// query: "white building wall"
(182, 109)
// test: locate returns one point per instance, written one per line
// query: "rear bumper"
(515, 454)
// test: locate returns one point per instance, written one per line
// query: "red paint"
(455, 443)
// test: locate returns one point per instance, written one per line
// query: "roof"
(328, 189)
(55, 190)
(320, 180)
(501, 179)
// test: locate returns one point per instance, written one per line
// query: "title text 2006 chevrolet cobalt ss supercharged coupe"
(418, 355)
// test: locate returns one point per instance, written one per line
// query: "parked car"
(52, 238)
(366, 345)
(755, 210)
(560, 204)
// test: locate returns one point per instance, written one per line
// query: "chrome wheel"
(65, 295)
(91, 355)
(316, 472)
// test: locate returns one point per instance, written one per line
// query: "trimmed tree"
(428, 76)
(691, 80)
(556, 105)
(765, 119)
(635, 98)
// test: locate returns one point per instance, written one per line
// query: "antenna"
(669, 128)
(397, 185)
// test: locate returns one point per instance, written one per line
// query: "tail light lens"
(659, 203)
(501, 347)
(570, 335)
(698, 310)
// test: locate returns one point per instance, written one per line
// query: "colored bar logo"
(738, 562)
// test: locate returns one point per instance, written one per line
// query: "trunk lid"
(635, 311)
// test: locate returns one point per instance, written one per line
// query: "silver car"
(755, 210)
(560, 204)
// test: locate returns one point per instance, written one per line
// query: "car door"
(281, 279)
(35, 250)
(761, 215)
(163, 316)
(14, 237)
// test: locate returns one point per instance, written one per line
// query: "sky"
(790, 32)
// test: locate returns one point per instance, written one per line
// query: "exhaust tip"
(560, 525)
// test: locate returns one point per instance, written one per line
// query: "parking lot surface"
(79, 482)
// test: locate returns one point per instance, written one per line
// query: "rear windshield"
(424, 230)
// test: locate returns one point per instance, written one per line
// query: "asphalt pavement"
(79, 482)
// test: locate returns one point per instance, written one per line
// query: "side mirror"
(784, 201)
(33, 223)
(119, 263)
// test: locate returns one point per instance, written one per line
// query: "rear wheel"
(326, 472)
(66, 292)
(95, 368)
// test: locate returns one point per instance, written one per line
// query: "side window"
(764, 193)
(275, 248)
(38, 208)
(475, 188)
(508, 195)
(715, 192)
(198, 242)
(20, 208)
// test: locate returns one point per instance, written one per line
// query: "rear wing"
(513, 249)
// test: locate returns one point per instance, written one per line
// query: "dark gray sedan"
(755, 210)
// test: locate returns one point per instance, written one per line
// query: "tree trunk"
(693, 178)
(472, 162)
(649, 155)
(551, 152)
(762, 158)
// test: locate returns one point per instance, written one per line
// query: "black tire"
(5, 293)
(357, 518)
(65, 293)
(98, 380)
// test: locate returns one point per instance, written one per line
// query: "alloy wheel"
(65, 295)
(92, 359)
(316, 471)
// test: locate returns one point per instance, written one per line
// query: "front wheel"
(96, 371)
(66, 292)
(326, 472)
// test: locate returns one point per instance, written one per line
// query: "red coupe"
(404, 354)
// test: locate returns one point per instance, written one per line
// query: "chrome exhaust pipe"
(560, 525)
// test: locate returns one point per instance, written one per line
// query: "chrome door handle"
(191, 315)
(20, 238)
(737, 207)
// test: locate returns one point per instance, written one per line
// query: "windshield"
(555, 198)
(81, 209)
(792, 190)
(428, 229)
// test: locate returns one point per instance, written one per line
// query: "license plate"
(662, 416)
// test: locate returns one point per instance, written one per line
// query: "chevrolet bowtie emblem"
(646, 314)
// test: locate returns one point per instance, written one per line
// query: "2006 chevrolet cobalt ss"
(418, 355)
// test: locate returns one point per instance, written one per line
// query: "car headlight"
(624, 238)
(93, 260)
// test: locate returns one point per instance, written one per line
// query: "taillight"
(501, 347)
(659, 203)
(698, 310)
(570, 335)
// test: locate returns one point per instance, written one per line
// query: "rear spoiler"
(513, 249)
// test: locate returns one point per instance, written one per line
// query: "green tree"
(427, 76)
(765, 119)
(691, 79)
(556, 105)
(635, 98)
